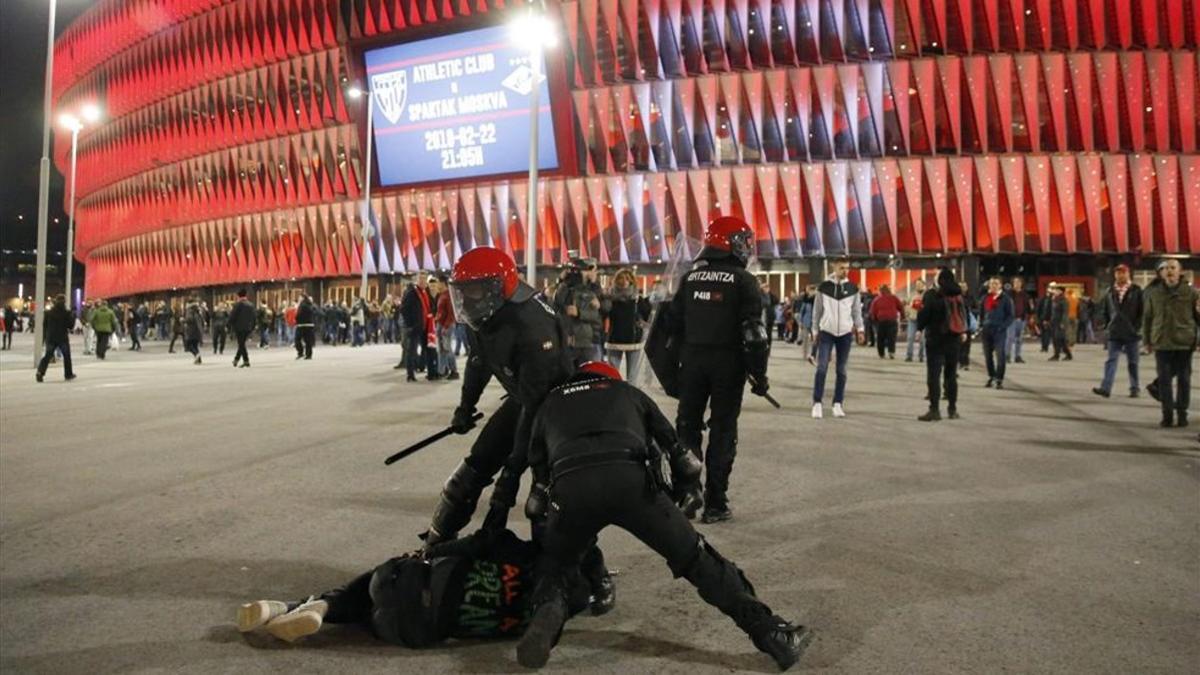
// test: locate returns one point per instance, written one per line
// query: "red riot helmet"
(600, 368)
(483, 279)
(730, 234)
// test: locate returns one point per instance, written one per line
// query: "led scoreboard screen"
(456, 107)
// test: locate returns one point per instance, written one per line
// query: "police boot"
(716, 509)
(545, 627)
(781, 640)
(600, 582)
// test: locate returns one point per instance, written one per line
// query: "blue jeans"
(1015, 329)
(632, 360)
(914, 335)
(827, 343)
(1115, 349)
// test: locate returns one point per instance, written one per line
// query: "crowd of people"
(941, 321)
(609, 322)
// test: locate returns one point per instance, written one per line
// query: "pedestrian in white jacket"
(837, 320)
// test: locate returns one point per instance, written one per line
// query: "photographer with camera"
(580, 302)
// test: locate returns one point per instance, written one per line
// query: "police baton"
(426, 442)
(766, 395)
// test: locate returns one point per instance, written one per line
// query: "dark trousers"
(828, 343)
(995, 349)
(63, 348)
(8, 331)
(885, 340)
(711, 377)
(413, 344)
(102, 343)
(1047, 335)
(1061, 345)
(941, 365)
(192, 346)
(133, 335)
(219, 341)
(964, 352)
(306, 337)
(241, 348)
(174, 337)
(262, 337)
(588, 500)
(1174, 365)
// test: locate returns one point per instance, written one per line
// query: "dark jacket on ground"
(1122, 320)
(243, 317)
(59, 322)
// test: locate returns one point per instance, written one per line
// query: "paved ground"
(1047, 531)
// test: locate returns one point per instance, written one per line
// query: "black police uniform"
(592, 445)
(717, 318)
(524, 347)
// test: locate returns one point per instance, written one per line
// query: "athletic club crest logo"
(390, 91)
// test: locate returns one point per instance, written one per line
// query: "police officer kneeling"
(595, 461)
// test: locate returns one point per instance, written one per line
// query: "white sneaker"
(304, 620)
(837, 410)
(817, 412)
(255, 614)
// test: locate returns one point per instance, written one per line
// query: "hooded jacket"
(932, 317)
(837, 309)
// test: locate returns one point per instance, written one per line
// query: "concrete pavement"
(1048, 530)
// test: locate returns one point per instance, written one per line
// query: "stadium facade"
(231, 152)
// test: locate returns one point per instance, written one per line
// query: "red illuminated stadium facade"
(230, 152)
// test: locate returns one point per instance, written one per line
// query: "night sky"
(22, 71)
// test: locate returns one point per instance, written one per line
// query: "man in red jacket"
(444, 322)
(885, 312)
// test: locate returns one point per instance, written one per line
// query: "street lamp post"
(536, 32)
(89, 113)
(44, 193)
(365, 215)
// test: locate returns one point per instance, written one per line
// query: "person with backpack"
(943, 318)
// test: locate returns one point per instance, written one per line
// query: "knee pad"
(459, 498)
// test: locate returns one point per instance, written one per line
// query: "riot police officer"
(596, 457)
(716, 319)
(517, 338)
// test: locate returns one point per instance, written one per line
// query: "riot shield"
(659, 346)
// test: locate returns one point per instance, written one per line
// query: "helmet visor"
(475, 301)
(741, 246)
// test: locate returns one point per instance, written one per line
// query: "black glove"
(759, 386)
(462, 421)
(689, 499)
(685, 471)
(537, 505)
